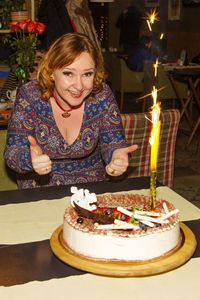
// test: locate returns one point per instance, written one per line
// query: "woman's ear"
(52, 77)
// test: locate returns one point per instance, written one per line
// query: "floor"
(187, 159)
(187, 169)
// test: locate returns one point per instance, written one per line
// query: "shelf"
(31, 8)
(4, 30)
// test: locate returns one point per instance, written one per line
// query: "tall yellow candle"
(155, 132)
(154, 141)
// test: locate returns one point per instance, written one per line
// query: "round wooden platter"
(128, 268)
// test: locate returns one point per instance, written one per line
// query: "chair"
(122, 78)
(137, 131)
(7, 176)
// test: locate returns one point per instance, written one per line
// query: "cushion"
(7, 176)
(10, 84)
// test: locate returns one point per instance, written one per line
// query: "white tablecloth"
(36, 221)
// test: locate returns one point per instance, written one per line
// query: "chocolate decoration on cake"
(99, 218)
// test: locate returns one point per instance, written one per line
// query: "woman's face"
(75, 81)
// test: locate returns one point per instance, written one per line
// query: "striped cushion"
(10, 84)
(137, 131)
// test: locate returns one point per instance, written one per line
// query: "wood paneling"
(176, 41)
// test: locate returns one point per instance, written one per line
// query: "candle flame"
(155, 132)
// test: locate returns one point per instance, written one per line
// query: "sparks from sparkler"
(149, 25)
(156, 68)
(151, 17)
(161, 36)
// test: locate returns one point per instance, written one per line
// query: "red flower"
(13, 26)
(25, 43)
(31, 26)
(40, 27)
(22, 25)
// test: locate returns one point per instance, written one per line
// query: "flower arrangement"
(24, 44)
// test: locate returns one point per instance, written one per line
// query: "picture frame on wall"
(191, 3)
(152, 3)
(174, 10)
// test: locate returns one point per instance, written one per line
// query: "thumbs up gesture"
(119, 161)
(41, 163)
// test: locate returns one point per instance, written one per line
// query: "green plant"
(6, 7)
(18, 5)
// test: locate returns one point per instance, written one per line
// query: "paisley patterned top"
(82, 161)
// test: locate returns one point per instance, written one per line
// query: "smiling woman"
(73, 83)
(66, 126)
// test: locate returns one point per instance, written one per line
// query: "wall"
(115, 9)
(184, 34)
(179, 34)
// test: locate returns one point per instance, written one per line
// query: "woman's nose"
(78, 84)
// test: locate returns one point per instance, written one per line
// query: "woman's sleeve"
(112, 134)
(21, 124)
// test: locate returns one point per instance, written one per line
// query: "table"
(190, 75)
(29, 270)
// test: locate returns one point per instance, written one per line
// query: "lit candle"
(152, 16)
(154, 142)
(155, 132)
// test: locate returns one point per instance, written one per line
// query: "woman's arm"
(112, 137)
(112, 134)
(21, 124)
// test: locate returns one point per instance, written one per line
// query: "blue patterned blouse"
(82, 161)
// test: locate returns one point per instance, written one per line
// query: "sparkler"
(154, 142)
(155, 119)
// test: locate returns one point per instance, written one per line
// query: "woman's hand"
(41, 163)
(119, 162)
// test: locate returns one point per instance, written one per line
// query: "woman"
(66, 126)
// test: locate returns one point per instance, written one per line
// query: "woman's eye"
(89, 74)
(67, 73)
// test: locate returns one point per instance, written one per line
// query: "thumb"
(130, 149)
(34, 147)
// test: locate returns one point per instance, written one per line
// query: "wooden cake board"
(127, 268)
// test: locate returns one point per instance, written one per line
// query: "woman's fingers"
(41, 162)
(119, 161)
(34, 147)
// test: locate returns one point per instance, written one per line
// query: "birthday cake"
(119, 227)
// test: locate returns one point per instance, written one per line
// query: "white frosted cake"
(119, 227)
